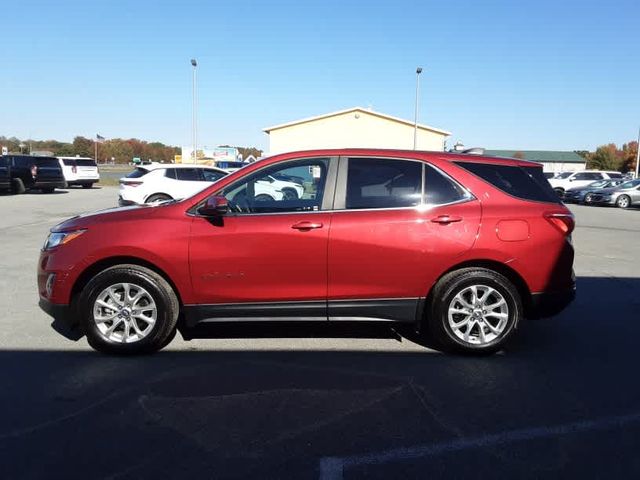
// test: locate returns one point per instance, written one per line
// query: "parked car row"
(20, 173)
(160, 183)
(594, 187)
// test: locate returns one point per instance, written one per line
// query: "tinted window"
(46, 162)
(188, 174)
(212, 175)
(630, 184)
(440, 189)
(564, 175)
(170, 173)
(264, 192)
(138, 172)
(86, 162)
(383, 183)
(527, 183)
(615, 175)
(68, 162)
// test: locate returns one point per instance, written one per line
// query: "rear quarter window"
(527, 183)
(68, 162)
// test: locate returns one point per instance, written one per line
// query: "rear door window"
(188, 174)
(210, 175)
(527, 183)
(383, 183)
(440, 189)
(46, 162)
(68, 162)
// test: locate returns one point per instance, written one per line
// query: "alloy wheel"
(478, 315)
(124, 313)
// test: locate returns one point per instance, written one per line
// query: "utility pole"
(194, 126)
(415, 120)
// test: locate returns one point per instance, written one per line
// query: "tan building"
(357, 128)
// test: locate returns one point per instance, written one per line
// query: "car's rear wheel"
(87, 185)
(623, 201)
(289, 194)
(263, 197)
(17, 186)
(48, 190)
(128, 309)
(157, 198)
(559, 191)
(474, 310)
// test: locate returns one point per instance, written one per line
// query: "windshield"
(599, 183)
(564, 175)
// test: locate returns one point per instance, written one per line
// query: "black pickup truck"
(34, 173)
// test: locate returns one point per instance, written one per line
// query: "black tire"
(443, 295)
(48, 190)
(87, 185)
(289, 194)
(158, 197)
(623, 201)
(17, 186)
(588, 199)
(263, 197)
(559, 191)
(158, 288)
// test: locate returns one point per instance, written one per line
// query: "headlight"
(56, 239)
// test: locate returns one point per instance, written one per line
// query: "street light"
(638, 155)
(194, 125)
(415, 126)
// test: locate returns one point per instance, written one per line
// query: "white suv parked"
(79, 171)
(565, 181)
(158, 183)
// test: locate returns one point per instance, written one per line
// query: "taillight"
(34, 170)
(131, 183)
(564, 222)
(74, 169)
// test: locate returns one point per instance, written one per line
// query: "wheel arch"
(105, 263)
(147, 197)
(512, 275)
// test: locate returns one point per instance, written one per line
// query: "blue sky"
(500, 74)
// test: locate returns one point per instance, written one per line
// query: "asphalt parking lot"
(563, 401)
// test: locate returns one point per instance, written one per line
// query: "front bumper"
(548, 304)
(65, 322)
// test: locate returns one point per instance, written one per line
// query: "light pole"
(638, 155)
(194, 126)
(415, 122)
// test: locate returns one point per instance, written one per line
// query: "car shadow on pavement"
(251, 413)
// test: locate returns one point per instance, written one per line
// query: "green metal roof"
(547, 156)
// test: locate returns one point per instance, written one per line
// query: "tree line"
(118, 149)
(610, 157)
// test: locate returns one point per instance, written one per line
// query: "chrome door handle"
(446, 219)
(306, 225)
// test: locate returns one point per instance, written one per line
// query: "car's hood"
(110, 214)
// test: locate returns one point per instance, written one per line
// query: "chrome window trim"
(342, 165)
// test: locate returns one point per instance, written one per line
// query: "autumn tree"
(606, 157)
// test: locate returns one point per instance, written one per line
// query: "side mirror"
(216, 206)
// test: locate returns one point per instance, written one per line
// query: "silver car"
(623, 196)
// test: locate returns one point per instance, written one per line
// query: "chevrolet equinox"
(460, 247)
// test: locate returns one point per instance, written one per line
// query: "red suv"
(462, 247)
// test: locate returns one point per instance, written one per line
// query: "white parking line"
(332, 468)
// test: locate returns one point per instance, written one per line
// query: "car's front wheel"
(474, 310)
(128, 309)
